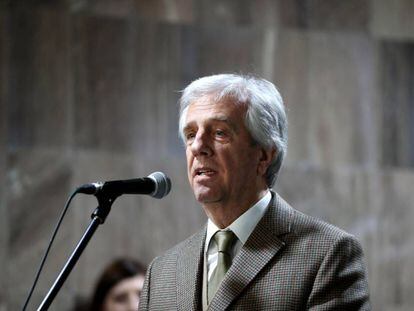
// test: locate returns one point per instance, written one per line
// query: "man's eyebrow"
(187, 127)
(226, 120)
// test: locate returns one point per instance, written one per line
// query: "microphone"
(157, 185)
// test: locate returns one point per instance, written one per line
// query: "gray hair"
(265, 117)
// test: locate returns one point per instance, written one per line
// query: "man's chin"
(205, 197)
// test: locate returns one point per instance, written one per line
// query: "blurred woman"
(119, 287)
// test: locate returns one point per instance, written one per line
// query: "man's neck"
(224, 215)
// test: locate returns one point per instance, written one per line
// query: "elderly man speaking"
(256, 252)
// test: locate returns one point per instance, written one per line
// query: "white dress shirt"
(242, 227)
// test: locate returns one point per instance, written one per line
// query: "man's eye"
(220, 133)
(189, 136)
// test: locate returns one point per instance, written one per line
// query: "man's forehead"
(216, 117)
(220, 106)
(224, 110)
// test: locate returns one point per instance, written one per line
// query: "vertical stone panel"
(38, 87)
(174, 11)
(260, 13)
(329, 101)
(266, 14)
(38, 184)
(158, 79)
(392, 19)
(393, 252)
(102, 113)
(342, 125)
(4, 72)
(236, 36)
(230, 49)
(115, 8)
(326, 15)
(242, 13)
(38, 114)
(128, 76)
(225, 13)
(396, 80)
(291, 62)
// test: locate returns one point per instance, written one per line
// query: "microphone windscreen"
(162, 184)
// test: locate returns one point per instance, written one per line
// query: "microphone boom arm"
(98, 218)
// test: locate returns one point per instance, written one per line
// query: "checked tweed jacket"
(290, 262)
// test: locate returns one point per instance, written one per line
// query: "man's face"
(221, 156)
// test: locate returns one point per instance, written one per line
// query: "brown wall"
(89, 89)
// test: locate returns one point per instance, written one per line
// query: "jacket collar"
(263, 244)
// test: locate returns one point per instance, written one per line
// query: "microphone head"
(162, 185)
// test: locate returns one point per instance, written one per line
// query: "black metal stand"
(98, 218)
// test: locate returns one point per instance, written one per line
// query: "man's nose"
(201, 144)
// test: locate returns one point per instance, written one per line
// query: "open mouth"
(204, 172)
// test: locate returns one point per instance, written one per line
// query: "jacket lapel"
(190, 272)
(263, 244)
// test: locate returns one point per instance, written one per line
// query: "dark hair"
(117, 271)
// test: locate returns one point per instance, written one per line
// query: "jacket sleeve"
(341, 281)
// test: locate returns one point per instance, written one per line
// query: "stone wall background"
(89, 89)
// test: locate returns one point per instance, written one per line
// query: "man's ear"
(266, 157)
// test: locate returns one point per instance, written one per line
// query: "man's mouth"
(204, 172)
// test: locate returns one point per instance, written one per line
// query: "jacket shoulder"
(305, 225)
(195, 240)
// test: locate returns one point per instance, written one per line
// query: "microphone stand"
(98, 218)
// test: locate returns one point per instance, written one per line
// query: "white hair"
(265, 118)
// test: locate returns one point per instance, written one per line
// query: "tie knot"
(224, 240)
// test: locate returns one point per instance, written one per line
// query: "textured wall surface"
(89, 89)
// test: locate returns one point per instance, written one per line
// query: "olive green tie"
(224, 241)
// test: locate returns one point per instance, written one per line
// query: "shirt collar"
(244, 225)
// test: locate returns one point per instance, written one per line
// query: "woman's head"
(119, 286)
